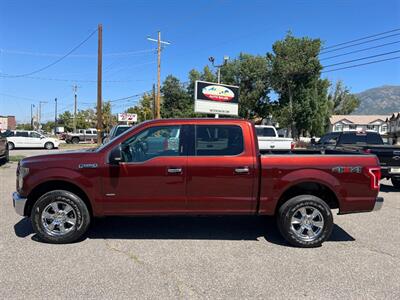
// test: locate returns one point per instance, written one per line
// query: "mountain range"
(383, 100)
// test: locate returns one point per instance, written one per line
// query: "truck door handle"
(174, 170)
(242, 170)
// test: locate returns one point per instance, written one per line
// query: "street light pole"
(212, 60)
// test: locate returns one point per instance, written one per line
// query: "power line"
(361, 43)
(78, 80)
(111, 54)
(360, 39)
(18, 97)
(362, 58)
(361, 50)
(129, 97)
(54, 62)
(358, 65)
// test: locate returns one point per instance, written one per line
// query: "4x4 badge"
(87, 166)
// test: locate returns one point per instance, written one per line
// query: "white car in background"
(30, 139)
(268, 139)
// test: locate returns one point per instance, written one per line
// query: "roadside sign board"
(216, 98)
(126, 117)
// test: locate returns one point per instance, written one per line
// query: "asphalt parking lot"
(200, 257)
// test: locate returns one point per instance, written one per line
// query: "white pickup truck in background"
(268, 139)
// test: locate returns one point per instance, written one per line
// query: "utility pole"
(154, 101)
(55, 116)
(99, 80)
(159, 48)
(75, 89)
(32, 122)
(40, 114)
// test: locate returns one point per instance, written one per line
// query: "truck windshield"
(120, 130)
(105, 145)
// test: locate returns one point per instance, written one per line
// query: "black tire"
(396, 182)
(293, 232)
(49, 145)
(11, 145)
(75, 140)
(80, 212)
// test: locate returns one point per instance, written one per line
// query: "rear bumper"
(19, 203)
(378, 203)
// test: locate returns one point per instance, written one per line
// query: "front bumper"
(19, 203)
(378, 203)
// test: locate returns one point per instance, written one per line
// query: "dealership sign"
(215, 98)
(125, 117)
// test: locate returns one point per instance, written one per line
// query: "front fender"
(85, 183)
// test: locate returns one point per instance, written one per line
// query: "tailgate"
(387, 156)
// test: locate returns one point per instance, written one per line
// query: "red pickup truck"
(196, 167)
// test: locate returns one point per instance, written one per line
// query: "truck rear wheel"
(305, 221)
(396, 182)
(60, 217)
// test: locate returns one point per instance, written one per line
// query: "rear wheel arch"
(48, 186)
(314, 188)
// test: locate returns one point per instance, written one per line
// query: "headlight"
(22, 172)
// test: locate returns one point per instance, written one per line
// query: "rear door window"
(22, 133)
(265, 132)
(218, 140)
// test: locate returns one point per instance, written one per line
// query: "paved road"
(213, 257)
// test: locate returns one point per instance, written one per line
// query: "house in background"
(7, 122)
(375, 123)
(393, 123)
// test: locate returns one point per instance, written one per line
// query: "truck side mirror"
(115, 156)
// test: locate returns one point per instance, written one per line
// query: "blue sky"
(34, 33)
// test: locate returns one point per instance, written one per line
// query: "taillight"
(375, 175)
(292, 144)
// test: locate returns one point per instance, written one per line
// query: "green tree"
(295, 70)
(48, 126)
(144, 109)
(24, 126)
(177, 102)
(250, 73)
(109, 120)
(341, 101)
(66, 119)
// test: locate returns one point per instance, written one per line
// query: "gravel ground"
(200, 257)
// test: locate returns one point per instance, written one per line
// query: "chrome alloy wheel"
(307, 223)
(58, 218)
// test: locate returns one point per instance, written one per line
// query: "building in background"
(375, 123)
(393, 123)
(7, 122)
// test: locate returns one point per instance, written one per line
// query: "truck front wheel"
(60, 217)
(305, 221)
